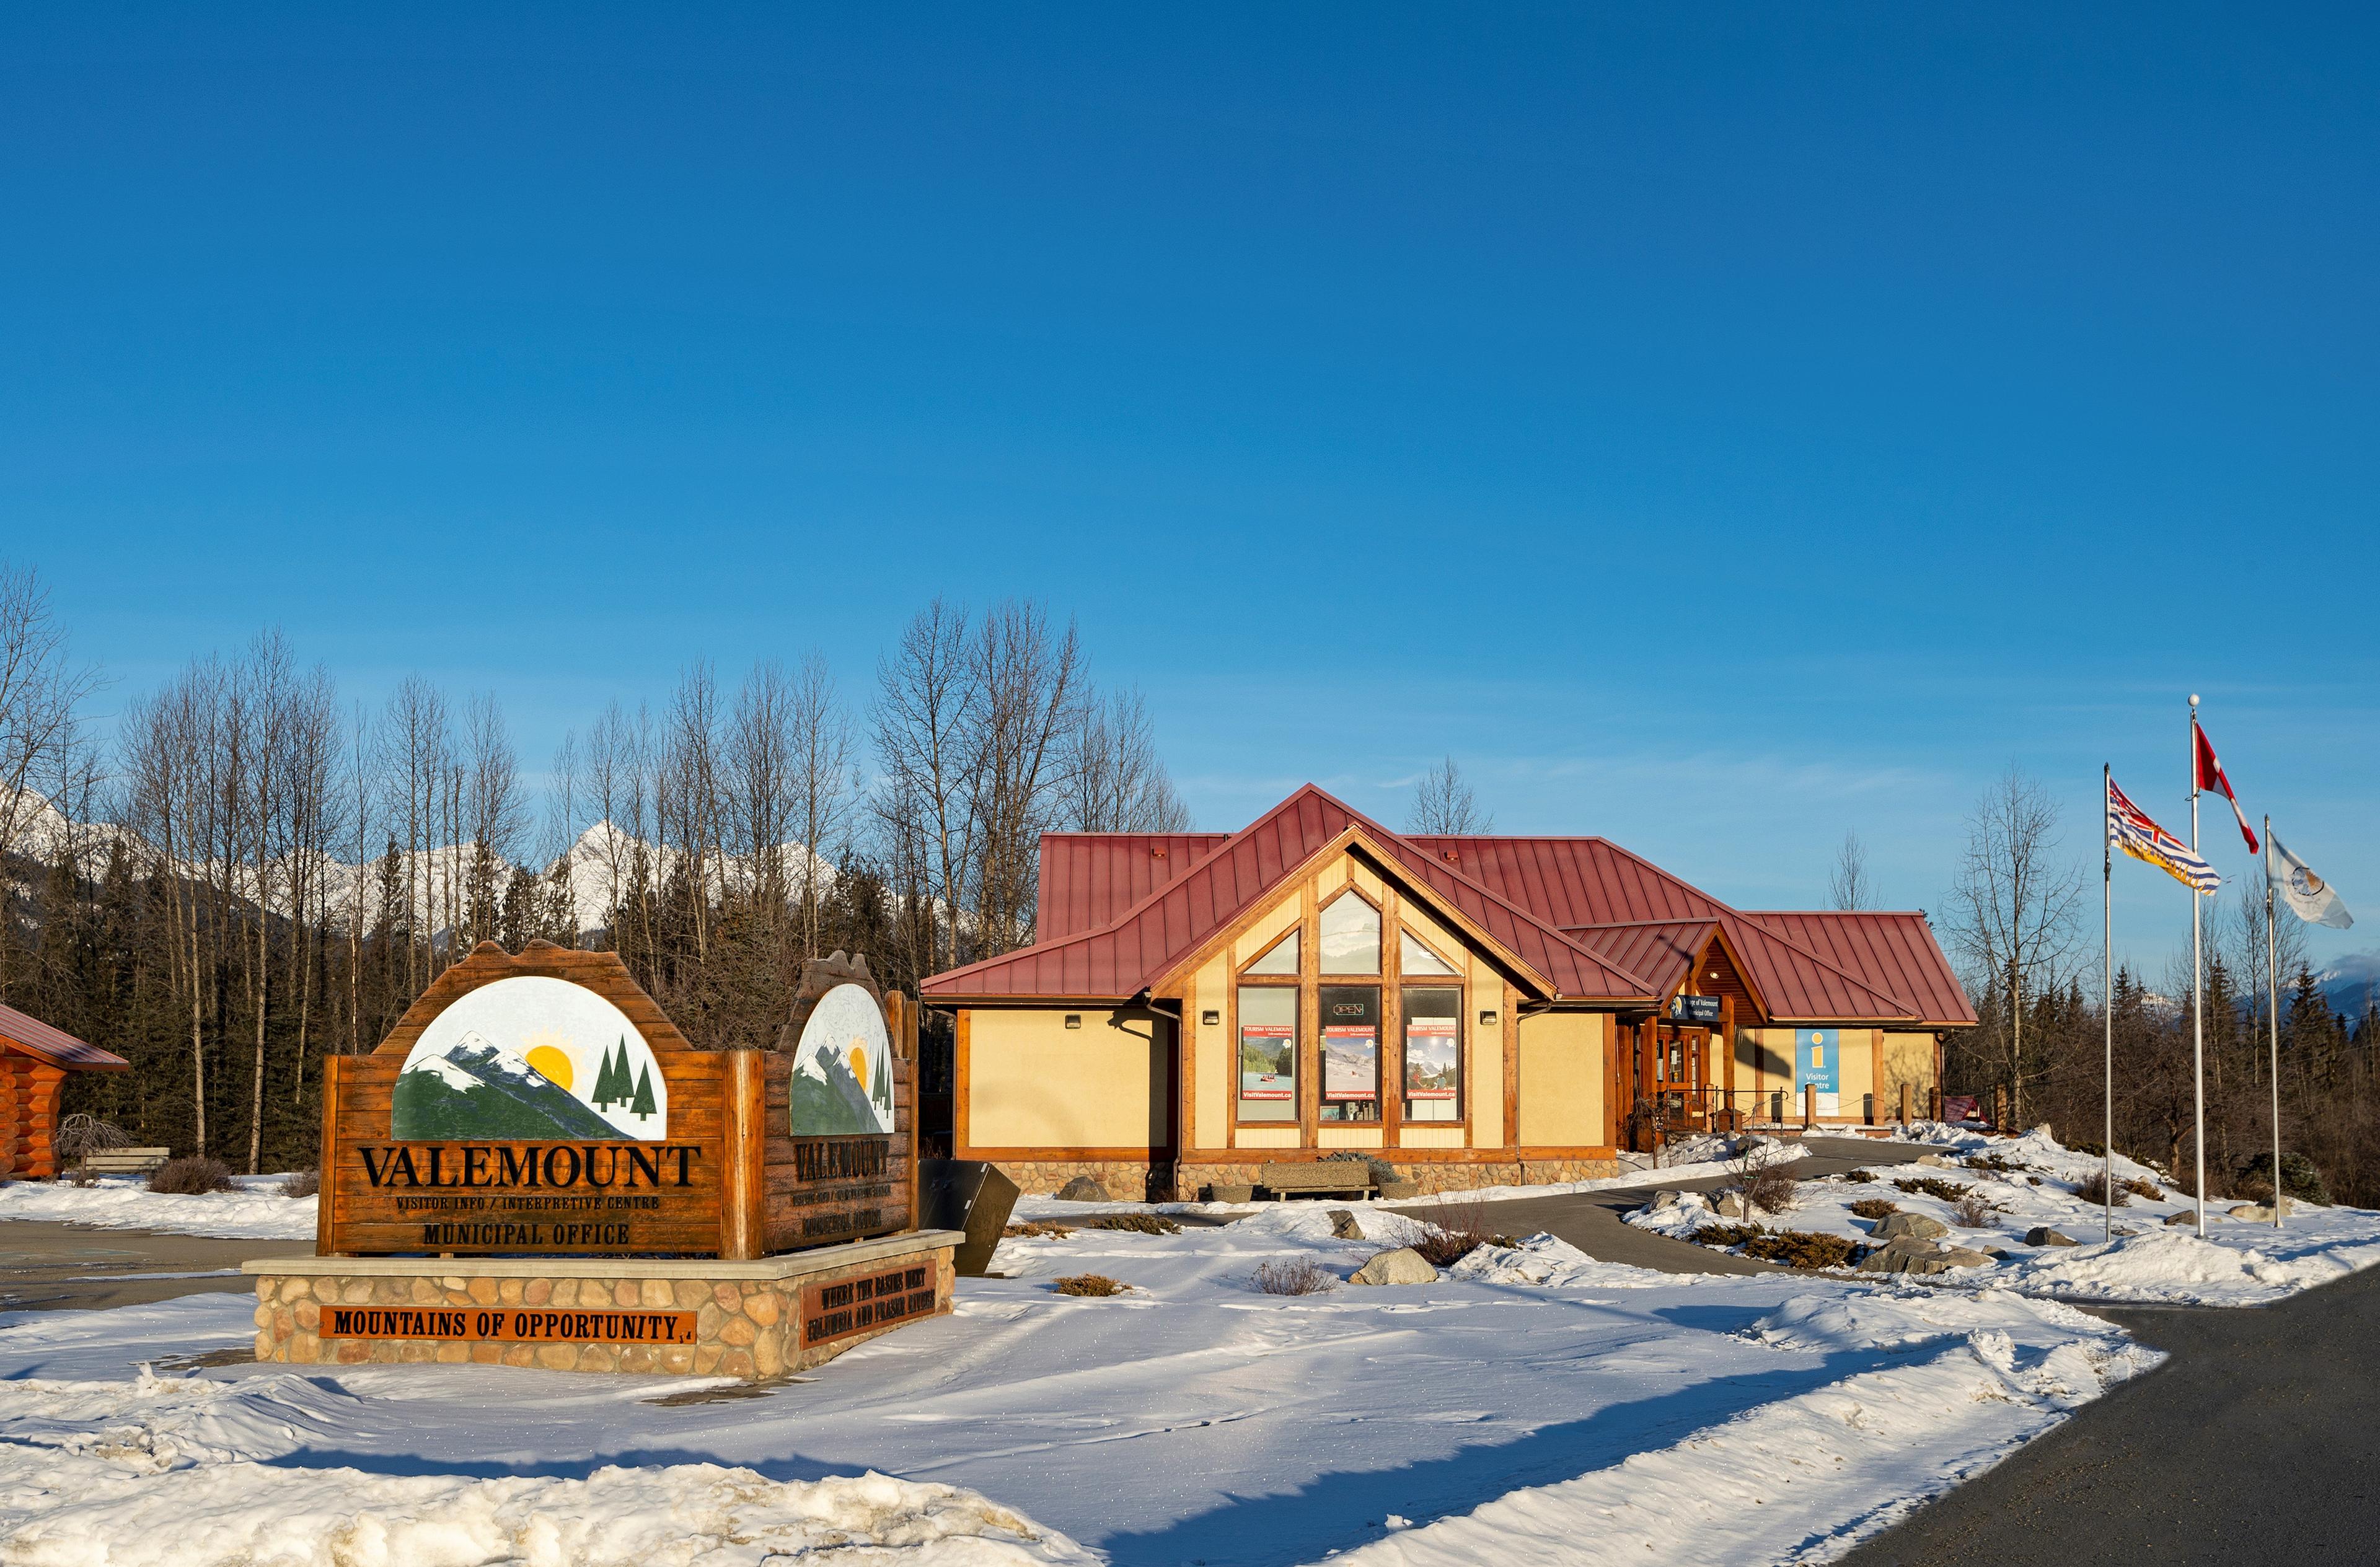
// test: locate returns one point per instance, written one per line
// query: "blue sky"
(1718, 427)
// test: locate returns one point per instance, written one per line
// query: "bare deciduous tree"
(2012, 917)
(1116, 782)
(41, 691)
(1444, 804)
(1848, 886)
(927, 747)
(1029, 678)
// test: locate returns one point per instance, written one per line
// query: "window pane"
(1350, 1052)
(1278, 959)
(1268, 1052)
(1433, 1054)
(1351, 938)
(1420, 959)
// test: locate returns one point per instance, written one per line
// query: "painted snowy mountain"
(829, 1101)
(476, 1091)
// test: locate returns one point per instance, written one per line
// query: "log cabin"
(35, 1061)
(1474, 1010)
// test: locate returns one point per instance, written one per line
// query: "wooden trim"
(1392, 1015)
(604, 973)
(960, 1083)
(326, 1215)
(1309, 1016)
(1052, 1155)
(743, 1193)
(1413, 1155)
(1509, 1016)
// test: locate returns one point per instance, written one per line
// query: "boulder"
(2189, 1216)
(2257, 1213)
(2042, 1234)
(1912, 1226)
(1908, 1255)
(1082, 1189)
(1343, 1225)
(1731, 1205)
(1933, 1160)
(1402, 1266)
(1664, 1200)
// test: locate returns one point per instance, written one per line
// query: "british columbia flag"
(2129, 829)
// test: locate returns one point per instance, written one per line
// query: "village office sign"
(544, 1105)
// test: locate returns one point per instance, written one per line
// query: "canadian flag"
(2210, 775)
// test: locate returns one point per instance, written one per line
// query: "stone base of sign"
(686, 1317)
(1430, 1175)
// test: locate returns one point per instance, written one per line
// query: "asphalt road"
(2258, 1441)
(46, 1267)
(1591, 1220)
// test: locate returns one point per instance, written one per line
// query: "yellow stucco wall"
(1347, 1137)
(1268, 1136)
(1418, 1136)
(1562, 1079)
(1907, 1059)
(1033, 1082)
(1858, 1074)
(1485, 1089)
(1210, 1086)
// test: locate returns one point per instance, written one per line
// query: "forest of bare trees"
(250, 872)
(2015, 923)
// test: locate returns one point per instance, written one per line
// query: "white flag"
(2308, 895)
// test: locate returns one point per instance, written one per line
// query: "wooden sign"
(846, 1112)
(534, 1105)
(542, 1104)
(507, 1324)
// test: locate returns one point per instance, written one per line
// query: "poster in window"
(1268, 1061)
(1433, 1059)
(1817, 1064)
(1350, 1062)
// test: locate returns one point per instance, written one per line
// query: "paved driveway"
(2259, 1440)
(52, 1267)
(1591, 1220)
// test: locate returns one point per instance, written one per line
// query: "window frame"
(1296, 1116)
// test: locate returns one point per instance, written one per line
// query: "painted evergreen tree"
(643, 1108)
(611, 1082)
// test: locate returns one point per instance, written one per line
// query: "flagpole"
(2108, 995)
(2198, 991)
(2272, 1015)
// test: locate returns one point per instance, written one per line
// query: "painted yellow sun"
(859, 1062)
(551, 1064)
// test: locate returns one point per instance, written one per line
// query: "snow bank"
(256, 1210)
(2147, 1261)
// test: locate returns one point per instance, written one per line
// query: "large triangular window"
(1419, 959)
(1351, 938)
(1281, 958)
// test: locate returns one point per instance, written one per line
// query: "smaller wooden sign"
(507, 1324)
(857, 1306)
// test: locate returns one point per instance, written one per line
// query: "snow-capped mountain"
(476, 1089)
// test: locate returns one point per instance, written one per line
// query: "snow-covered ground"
(256, 1210)
(1533, 1405)
(2238, 1263)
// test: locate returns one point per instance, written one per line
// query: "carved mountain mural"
(476, 1091)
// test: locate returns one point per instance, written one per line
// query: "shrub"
(1038, 1229)
(1975, 1210)
(79, 1135)
(1933, 1186)
(82, 1176)
(1302, 1276)
(1457, 1230)
(1138, 1223)
(304, 1183)
(2094, 1191)
(1801, 1249)
(2147, 1190)
(1997, 1162)
(1875, 1206)
(2299, 1178)
(1725, 1236)
(1768, 1189)
(1088, 1283)
(191, 1176)
(1862, 1177)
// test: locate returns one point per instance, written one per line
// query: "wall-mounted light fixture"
(1073, 1019)
(1487, 1020)
(1211, 1018)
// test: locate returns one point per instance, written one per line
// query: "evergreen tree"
(611, 1082)
(643, 1107)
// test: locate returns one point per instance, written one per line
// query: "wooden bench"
(1338, 1176)
(125, 1160)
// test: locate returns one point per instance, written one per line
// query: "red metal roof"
(1596, 921)
(1089, 878)
(1663, 951)
(54, 1046)
(1897, 948)
(1137, 947)
(1577, 882)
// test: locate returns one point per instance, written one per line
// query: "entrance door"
(1678, 1053)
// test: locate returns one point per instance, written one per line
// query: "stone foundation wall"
(1126, 1180)
(747, 1323)
(1432, 1176)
